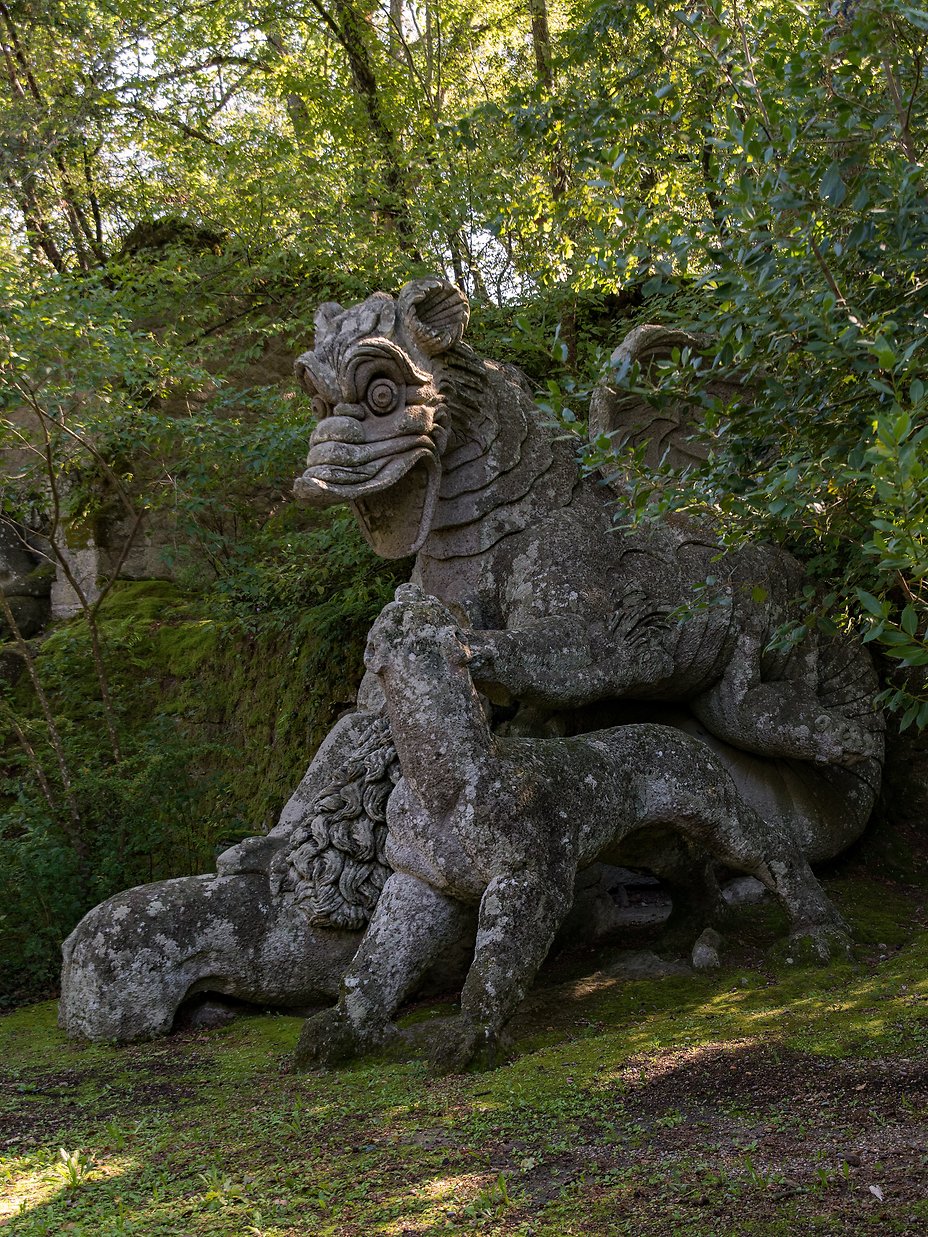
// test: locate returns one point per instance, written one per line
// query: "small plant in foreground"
(670, 1120)
(490, 1201)
(74, 1166)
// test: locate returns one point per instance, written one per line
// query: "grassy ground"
(759, 1099)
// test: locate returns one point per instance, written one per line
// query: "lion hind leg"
(718, 820)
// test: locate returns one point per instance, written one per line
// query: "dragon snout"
(346, 429)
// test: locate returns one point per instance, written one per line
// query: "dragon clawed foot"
(841, 742)
(816, 945)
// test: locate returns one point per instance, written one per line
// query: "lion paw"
(461, 1044)
(330, 1038)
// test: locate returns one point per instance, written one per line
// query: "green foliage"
(328, 130)
(185, 185)
(74, 1166)
(221, 700)
(146, 816)
(768, 183)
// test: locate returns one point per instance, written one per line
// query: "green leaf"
(909, 716)
(870, 603)
(832, 187)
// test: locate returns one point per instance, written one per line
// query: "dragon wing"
(668, 433)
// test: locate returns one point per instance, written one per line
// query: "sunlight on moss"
(383, 1148)
(54, 1177)
(25, 1188)
(435, 1199)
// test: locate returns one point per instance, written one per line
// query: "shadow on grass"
(633, 1106)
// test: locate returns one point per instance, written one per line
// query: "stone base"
(132, 961)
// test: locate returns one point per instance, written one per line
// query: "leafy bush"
(765, 178)
(220, 700)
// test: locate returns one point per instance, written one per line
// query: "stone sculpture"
(505, 824)
(570, 628)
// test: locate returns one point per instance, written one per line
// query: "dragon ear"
(434, 313)
(324, 320)
(672, 431)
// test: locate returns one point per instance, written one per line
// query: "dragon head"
(374, 377)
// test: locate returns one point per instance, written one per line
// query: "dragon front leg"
(564, 661)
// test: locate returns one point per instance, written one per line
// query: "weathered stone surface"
(665, 435)
(130, 963)
(743, 891)
(643, 964)
(94, 559)
(505, 824)
(570, 629)
(706, 950)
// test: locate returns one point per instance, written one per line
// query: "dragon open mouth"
(392, 485)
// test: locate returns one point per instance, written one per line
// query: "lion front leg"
(412, 925)
(519, 916)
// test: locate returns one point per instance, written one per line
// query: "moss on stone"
(218, 720)
(631, 1107)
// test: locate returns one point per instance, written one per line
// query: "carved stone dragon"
(571, 626)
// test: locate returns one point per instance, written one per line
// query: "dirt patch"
(35, 1105)
(695, 1131)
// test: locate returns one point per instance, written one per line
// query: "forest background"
(181, 184)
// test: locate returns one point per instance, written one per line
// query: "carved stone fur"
(336, 865)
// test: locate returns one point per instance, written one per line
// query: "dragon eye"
(383, 396)
(320, 407)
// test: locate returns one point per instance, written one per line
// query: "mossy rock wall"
(219, 708)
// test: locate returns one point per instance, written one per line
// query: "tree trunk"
(557, 169)
(351, 28)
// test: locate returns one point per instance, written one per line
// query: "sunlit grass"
(34, 1180)
(203, 1135)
